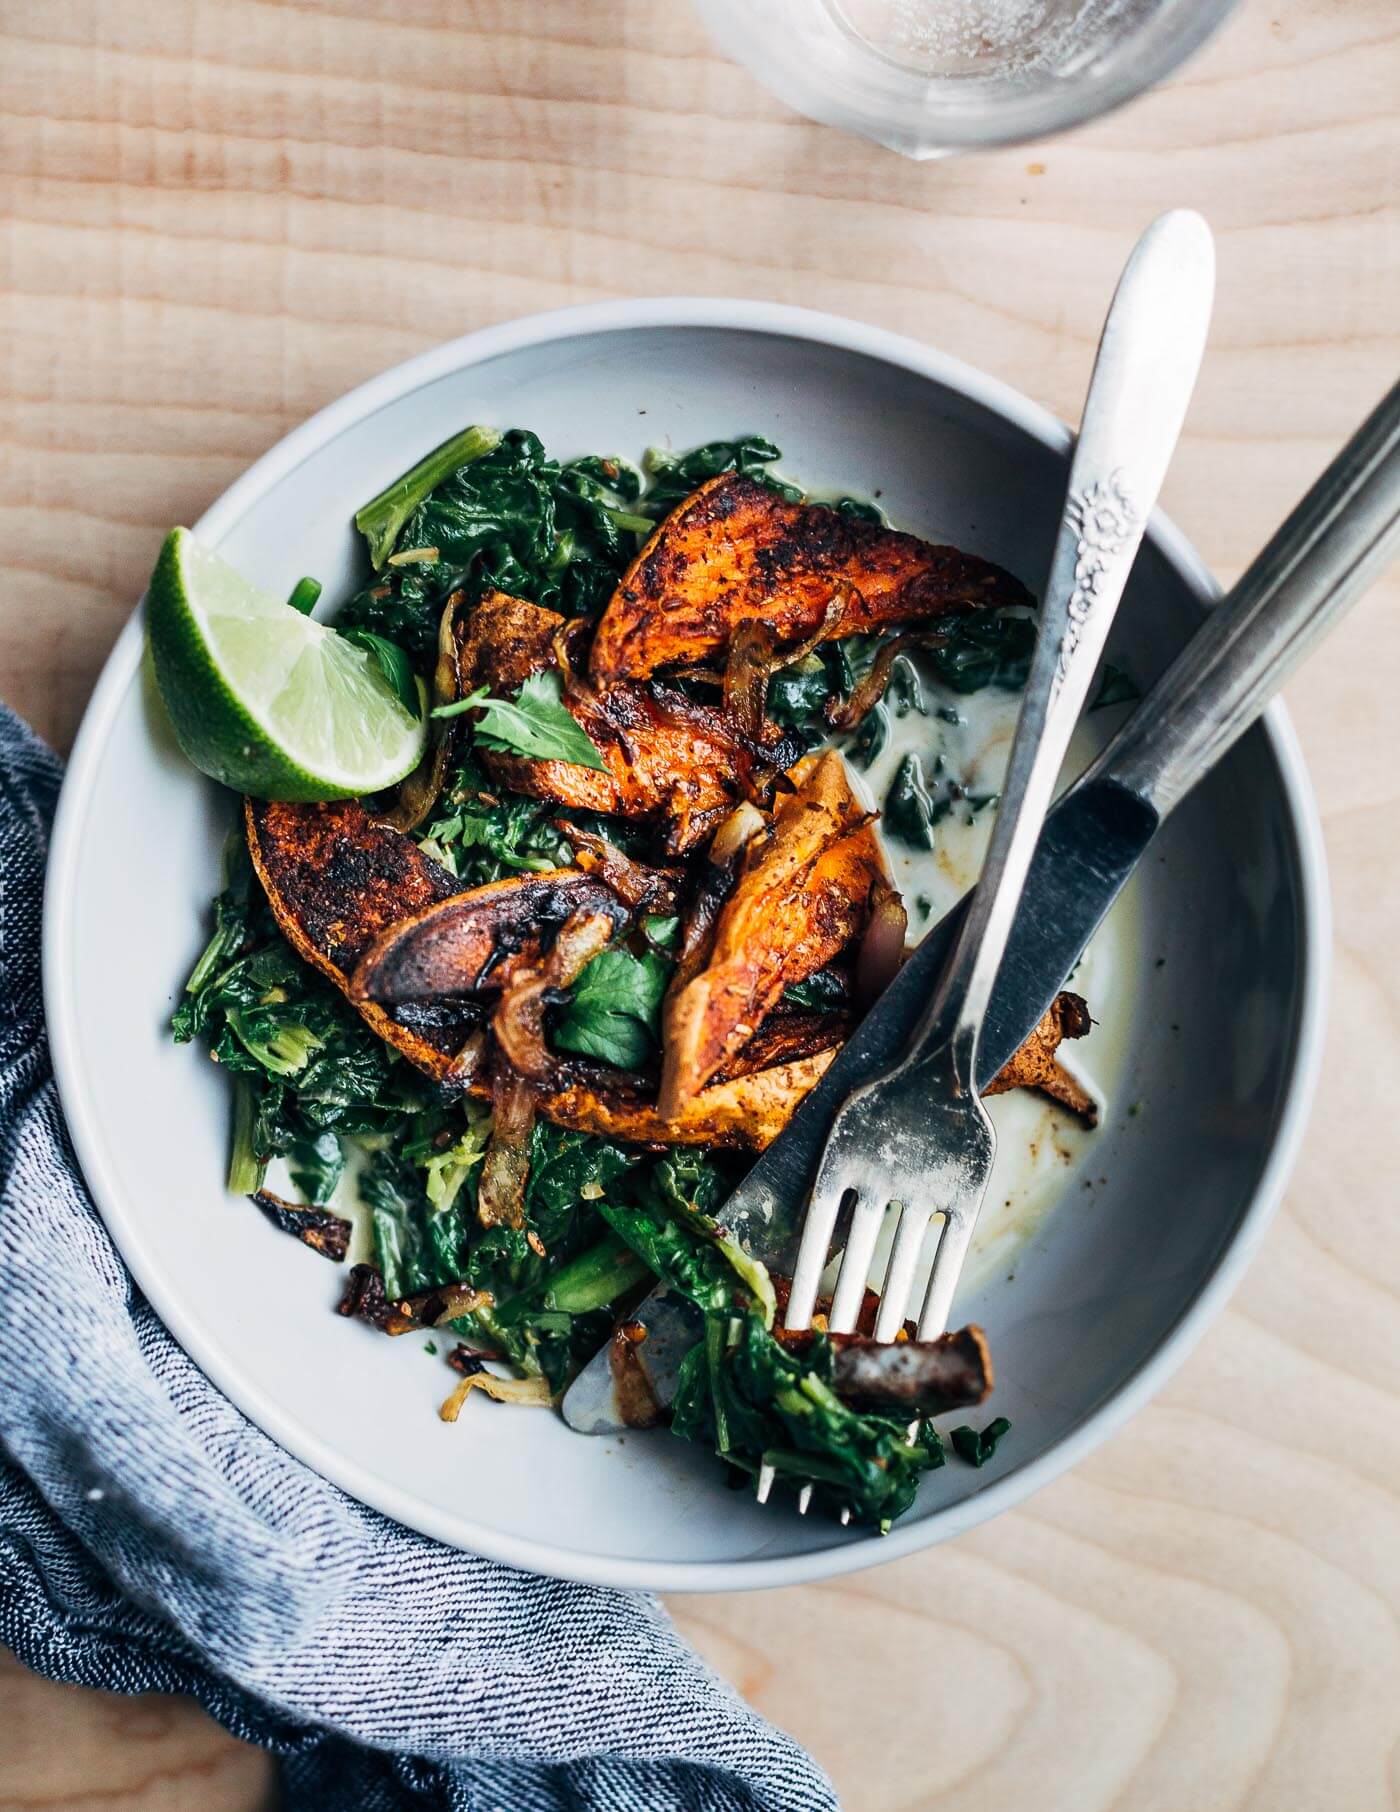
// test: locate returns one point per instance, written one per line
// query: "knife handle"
(1335, 542)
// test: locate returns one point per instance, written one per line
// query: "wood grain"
(219, 214)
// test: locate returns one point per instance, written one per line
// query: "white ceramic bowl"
(1107, 1299)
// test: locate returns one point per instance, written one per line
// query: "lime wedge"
(261, 697)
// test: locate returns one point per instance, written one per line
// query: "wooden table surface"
(220, 214)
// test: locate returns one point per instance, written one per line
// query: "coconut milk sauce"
(1039, 1146)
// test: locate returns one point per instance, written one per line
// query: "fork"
(918, 1140)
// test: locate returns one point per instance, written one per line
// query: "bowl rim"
(121, 671)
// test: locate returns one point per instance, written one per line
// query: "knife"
(1329, 549)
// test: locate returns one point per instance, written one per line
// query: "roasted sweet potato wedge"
(737, 552)
(803, 894)
(784, 1038)
(335, 880)
(747, 1111)
(668, 759)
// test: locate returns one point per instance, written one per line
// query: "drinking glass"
(929, 77)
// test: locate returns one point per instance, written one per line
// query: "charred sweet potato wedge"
(784, 1038)
(803, 893)
(474, 940)
(335, 880)
(667, 759)
(737, 552)
(747, 1111)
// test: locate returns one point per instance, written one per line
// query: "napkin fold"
(153, 1539)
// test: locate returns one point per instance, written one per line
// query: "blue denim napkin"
(152, 1539)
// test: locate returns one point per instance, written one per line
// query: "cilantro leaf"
(614, 1010)
(535, 723)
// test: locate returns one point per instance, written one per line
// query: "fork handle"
(1330, 547)
(1148, 357)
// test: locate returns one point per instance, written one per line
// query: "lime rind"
(263, 698)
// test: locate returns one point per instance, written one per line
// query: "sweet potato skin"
(802, 896)
(746, 1111)
(336, 879)
(736, 551)
(667, 758)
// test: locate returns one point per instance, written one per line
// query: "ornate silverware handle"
(1147, 362)
(1335, 542)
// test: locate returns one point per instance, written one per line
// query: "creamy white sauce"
(1039, 1146)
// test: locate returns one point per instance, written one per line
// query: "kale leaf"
(482, 835)
(510, 519)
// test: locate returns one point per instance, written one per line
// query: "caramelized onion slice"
(500, 1198)
(420, 792)
(755, 656)
(882, 943)
(638, 886)
(846, 714)
(518, 1021)
(532, 1393)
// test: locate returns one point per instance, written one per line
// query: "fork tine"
(953, 1243)
(828, 1192)
(899, 1273)
(854, 1274)
(804, 1498)
(766, 1476)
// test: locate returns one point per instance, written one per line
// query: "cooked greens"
(502, 517)
(615, 1009)
(603, 1221)
(744, 1394)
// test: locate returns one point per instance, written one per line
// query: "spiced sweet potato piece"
(746, 1111)
(335, 880)
(667, 758)
(784, 1038)
(802, 895)
(737, 552)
